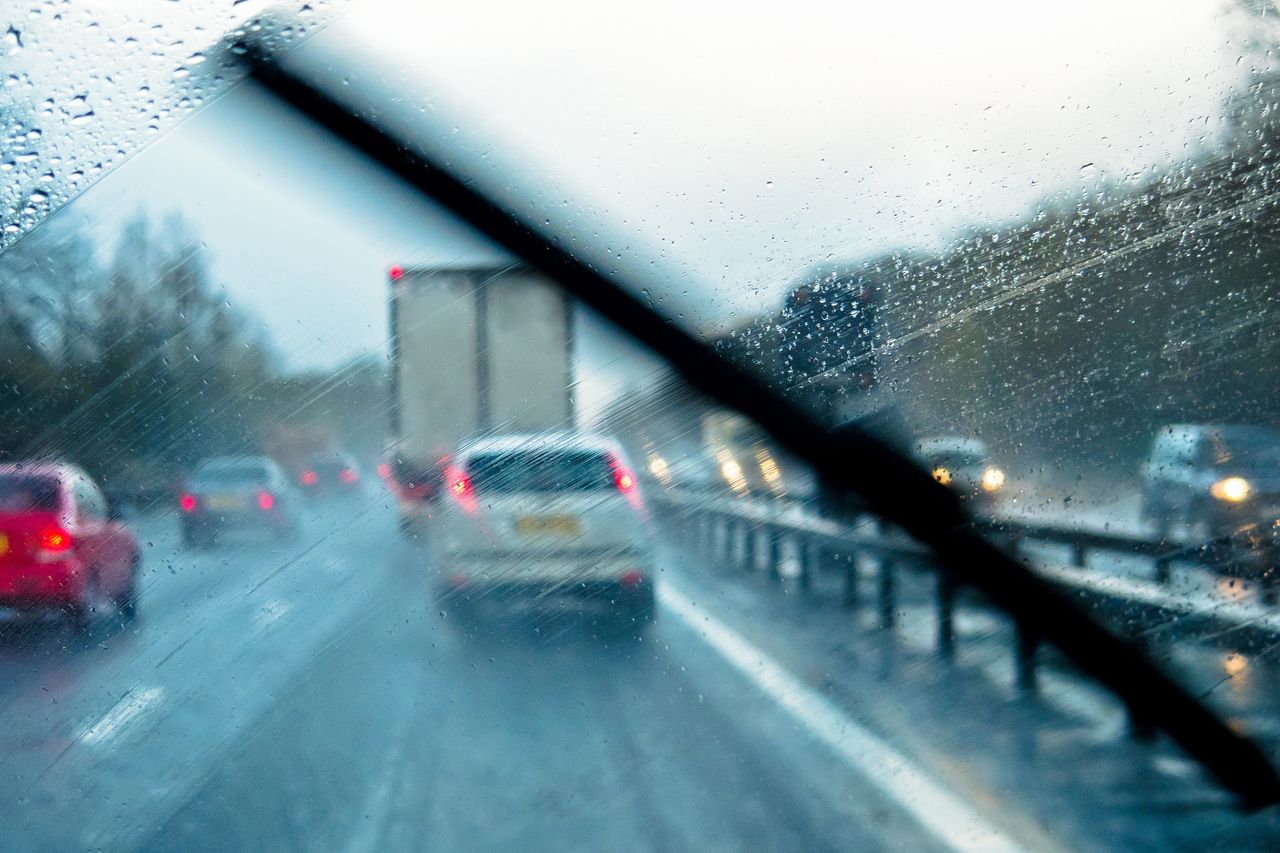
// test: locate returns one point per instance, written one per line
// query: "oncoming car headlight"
(942, 475)
(1230, 489)
(992, 479)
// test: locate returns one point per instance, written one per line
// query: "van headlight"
(992, 479)
(1231, 489)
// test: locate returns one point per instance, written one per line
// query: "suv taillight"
(622, 477)
(460, 488)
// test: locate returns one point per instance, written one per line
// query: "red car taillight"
(52, 542)
(309, 478)
(625, 481)
(460, 487)
(266, 500)
(187, 503)
(348, 475)
(632, 578)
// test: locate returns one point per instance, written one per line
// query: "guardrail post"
(1077, 554)
(1162, 569)
(946, 615)
(1025, 659)
(810, 555)
(887, 592)
(742, 544)
(772, 566)
(849, 595)
(750, 541)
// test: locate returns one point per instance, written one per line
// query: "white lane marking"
(129, 708)
(375, 811)
(937, 810)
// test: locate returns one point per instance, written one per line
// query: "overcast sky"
(734, 149)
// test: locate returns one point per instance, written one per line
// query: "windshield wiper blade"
(849, 459)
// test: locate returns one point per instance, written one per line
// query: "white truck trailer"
(475, 350)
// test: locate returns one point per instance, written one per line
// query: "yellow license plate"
(225, 502)
(542, 525)
(4, 543)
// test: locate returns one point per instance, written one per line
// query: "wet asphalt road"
(311, 696)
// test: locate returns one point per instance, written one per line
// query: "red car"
(60, 545)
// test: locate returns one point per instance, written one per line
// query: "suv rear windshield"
(541, 471)
(22, 493)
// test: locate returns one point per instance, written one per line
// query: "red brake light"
(632, 578)
(187, 503)
(384, 470)
(54, 540)
(348, 475)
(622, 478)
(625, 481)
(395, 273)
(309, 478)
(461, 486)
(266, 500)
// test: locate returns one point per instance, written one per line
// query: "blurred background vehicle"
(1212, 478)
(332, 473)
(62, 545)
(237, 493)
(543, 521)
(1219, 484)
(965, 465)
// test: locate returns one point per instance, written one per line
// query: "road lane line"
(131, 706)
(943, 814)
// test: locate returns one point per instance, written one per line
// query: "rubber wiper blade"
(849, 459)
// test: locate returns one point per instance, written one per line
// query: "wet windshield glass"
(407, 530)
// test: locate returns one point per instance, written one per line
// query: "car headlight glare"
(1231, 489)
(942, 475)
(992, 479)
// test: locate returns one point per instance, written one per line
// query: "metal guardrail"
(751, 536)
